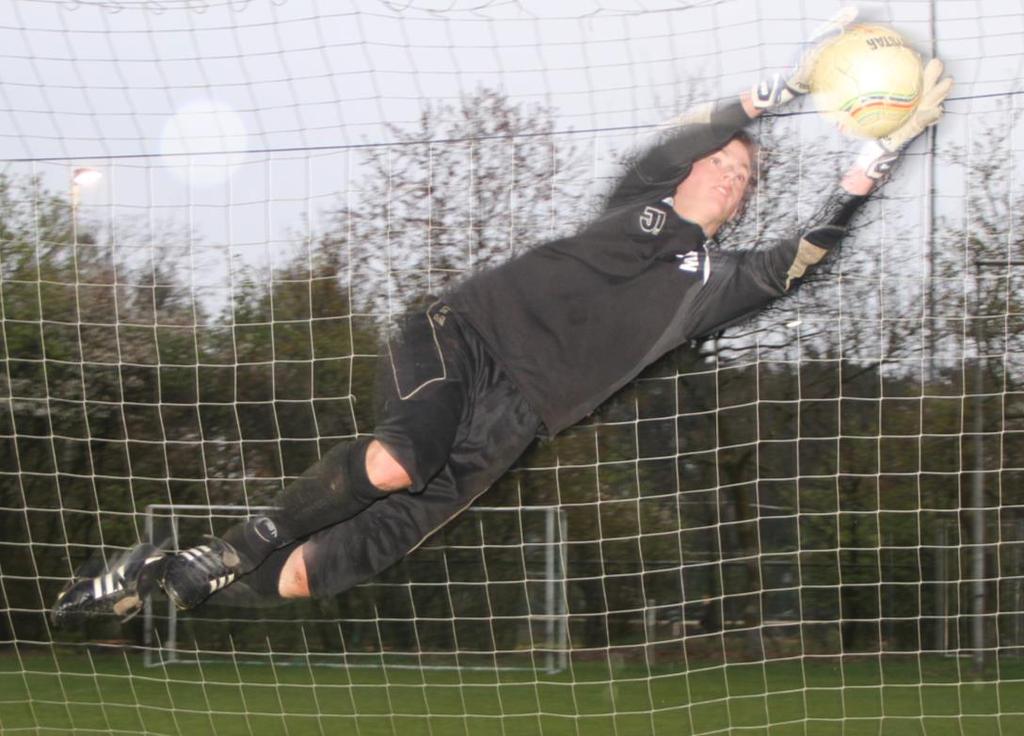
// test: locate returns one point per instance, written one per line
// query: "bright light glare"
(85, 177)
(202, 141)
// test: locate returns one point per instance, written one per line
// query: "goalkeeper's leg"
(453, 422)
(336, 488)
(340, 557)
(422, 387)
(330, 561)
(424, 379)
(498, 429)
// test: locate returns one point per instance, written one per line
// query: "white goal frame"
(160, 651)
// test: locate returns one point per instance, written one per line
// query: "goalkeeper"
(533, 345)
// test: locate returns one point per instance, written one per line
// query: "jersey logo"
(689, 261)
(652, 220)
(692, 263)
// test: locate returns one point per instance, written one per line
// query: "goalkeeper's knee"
(335, 489)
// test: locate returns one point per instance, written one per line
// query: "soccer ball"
(867, 80)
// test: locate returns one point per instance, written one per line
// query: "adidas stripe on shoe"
(193, 575)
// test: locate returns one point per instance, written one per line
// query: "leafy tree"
(88, 342)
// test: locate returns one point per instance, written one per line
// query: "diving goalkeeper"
(533, 345)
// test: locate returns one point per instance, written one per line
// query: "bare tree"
(471, 185)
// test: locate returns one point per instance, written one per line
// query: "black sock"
(264, 580)
(335, 489)
(258, 589)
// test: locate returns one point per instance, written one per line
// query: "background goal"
(811, 525)
(500, 569)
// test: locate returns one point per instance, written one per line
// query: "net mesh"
(812, 524)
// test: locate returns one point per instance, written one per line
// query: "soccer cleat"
(194, 574)
(118, 589)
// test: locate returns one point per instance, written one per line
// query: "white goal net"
(210, 210)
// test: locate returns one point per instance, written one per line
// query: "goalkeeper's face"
(714, 191)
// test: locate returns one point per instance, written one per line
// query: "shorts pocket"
(415, 355)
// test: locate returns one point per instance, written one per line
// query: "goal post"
(537, 617)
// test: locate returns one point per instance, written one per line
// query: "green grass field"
(61, 692)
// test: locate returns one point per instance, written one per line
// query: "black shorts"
(455, 422)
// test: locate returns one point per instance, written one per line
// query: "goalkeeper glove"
(877, 157)
(779, 89)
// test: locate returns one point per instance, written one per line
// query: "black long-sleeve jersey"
(575, 319)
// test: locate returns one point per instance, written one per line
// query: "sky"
(242, 120)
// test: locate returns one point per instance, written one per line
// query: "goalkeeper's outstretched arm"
(875, 162)
(756, 277)
(656, 172)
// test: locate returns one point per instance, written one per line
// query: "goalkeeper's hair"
(753, 149)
